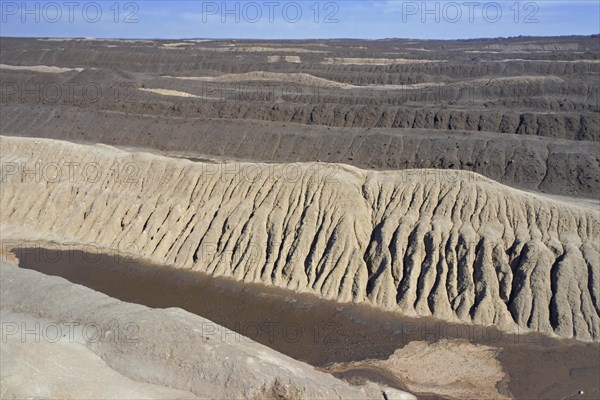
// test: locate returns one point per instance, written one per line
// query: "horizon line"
(303, 39)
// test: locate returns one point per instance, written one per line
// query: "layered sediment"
(448, 244)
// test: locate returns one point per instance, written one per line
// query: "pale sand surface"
(40, 68)
(451, 368)
(340, 243)
(169, 92)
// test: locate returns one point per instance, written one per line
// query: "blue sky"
(276, 19)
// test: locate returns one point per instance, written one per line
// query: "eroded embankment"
(424, 242)
(552, 166)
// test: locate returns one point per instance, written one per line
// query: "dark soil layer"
(522, 111)
(532, 86)
(553, 166)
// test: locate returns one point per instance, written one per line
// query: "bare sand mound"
(136, 352)
(263, 76)
(169, 92)
(40, 68)
(456, 246)
(29, 369)
(453, 369)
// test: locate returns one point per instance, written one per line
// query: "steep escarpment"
(447, 244)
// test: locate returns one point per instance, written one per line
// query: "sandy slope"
(167, 354)
(29, 368)
(424, 242)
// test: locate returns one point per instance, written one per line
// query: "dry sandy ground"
(510, 258)
(168, 92)
(46, 69)
(426, 242)
(178, 44)
(453, 369)
(327, 332)
(168, 354)
(29, 369)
